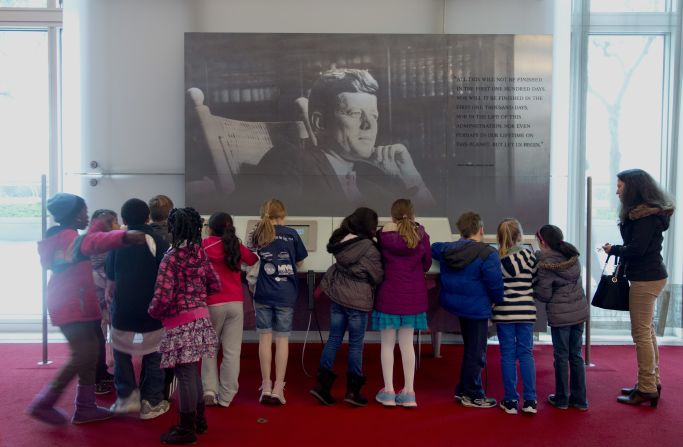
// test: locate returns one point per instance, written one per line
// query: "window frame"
(667, 25)
(50, 20)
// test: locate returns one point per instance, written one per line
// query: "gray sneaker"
(130, 404)
(482, 402)
(149, 411)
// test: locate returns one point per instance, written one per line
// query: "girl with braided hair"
(184, 281)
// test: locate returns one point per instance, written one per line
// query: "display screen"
(303, 231)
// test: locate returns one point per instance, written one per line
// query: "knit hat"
(63, 206)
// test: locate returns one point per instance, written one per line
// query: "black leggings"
(84, 345)
(189, 386)
(101, 369)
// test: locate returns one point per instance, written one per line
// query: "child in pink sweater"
(185, 280)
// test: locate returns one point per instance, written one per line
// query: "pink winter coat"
(71, 292)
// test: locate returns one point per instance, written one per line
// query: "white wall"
(123, 65)
(123, 100)
(500, 16)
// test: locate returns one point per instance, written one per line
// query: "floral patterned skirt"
(188, 343)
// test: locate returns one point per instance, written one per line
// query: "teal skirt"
(381, 321)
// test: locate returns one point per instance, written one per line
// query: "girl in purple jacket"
(401, 302)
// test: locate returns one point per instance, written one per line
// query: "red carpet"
(303, 422)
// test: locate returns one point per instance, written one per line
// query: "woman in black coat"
(644, 215)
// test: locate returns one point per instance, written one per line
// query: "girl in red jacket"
(226, 309)
(72, 304)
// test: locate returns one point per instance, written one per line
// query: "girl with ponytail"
(281, 252)
(515, 316)
(558, 284)
(401, 304)
(226, 253)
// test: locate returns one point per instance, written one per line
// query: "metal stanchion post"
(589, 237)
(43, 223)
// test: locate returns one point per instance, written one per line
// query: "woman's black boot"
(638, 397)
(627, 391)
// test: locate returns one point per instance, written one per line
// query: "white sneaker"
(277, 396)
(148, 411)
(266, 390)
(130, 404)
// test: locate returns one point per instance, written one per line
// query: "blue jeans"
(341, 319)
(474, 338)
(517, 343)
(151, 377)
(570, 389)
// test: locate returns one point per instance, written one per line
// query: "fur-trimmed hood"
(558, 264)
(644, 210)
(562, 265)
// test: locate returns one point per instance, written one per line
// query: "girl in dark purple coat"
(401, 303)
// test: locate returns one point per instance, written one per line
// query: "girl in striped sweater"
(515, 317)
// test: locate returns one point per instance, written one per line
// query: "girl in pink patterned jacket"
(185, 279)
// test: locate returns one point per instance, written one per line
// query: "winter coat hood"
(213, 245)
(569, 269)
(349, 251)
(644, 210)
(464, 252)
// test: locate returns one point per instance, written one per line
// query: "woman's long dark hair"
(362, 222)
(553, 238)
(640, 188)
(221, 225)
(185, 226)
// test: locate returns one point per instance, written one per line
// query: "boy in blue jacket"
(471, 282)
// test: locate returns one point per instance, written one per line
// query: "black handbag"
(612, 291)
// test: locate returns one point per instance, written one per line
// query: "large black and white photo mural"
(329, 122)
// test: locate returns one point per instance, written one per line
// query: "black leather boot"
(638, 397)
(183, 433)
(322, 390)
(201, 426)
(353, 385)
(627, 391)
